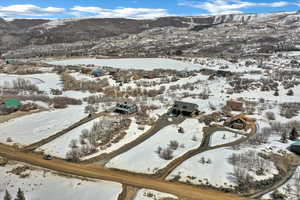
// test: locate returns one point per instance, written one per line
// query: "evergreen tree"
(7, 196)
(283, 138)
(293, 134)
(20, 195)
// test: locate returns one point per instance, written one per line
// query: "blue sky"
(138, 8)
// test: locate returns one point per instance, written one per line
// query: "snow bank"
(145, 194)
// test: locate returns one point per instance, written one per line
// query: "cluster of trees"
(245, 165)
(71, 83)
(289, 110)
(103, 133)
(20, 195)
(20, 85)
(291, 191)
(167, 153)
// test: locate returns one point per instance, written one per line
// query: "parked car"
(47, 157)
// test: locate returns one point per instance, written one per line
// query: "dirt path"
(162, 122)
(128, 193)
(276, 185)
(99, 172)
(42, 142)
(163, 173)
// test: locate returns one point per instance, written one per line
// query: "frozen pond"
(131, 63)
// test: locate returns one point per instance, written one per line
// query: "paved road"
(99, 172)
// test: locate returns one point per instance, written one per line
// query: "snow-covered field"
(32, 128)
(132, 133)
(223, 137)
(131, 63)
(60, 146)
(217, 173)
(135, 159)
(146, 194)
(46, 185)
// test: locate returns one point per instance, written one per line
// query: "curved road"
(162, 122)
(99, 172)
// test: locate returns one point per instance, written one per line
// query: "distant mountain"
(18, 33)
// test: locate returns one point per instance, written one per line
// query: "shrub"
(166, 154)
(270, 115)
(173, 145)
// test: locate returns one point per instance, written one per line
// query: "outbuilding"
(12, 103)
(235, 105)
(295, 147)
(97, 72)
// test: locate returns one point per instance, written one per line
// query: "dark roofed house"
(126, 108)
(184, 108)
(235, 105)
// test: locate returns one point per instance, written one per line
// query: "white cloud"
(28, 10)
(297, 4)
(136, 13)
(229, 6)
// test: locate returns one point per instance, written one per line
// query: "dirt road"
(99, 172)
(163, 173)
(162, 122)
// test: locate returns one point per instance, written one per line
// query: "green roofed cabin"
(12, 104)
(10, 60)
(295, 147)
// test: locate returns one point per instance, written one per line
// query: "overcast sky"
(138, 8)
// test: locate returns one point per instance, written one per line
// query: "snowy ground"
(132, 133)
(8, 79)
(46, 185)
(60, 146)
(217, 173)
(146, 194)
(223, 137)
(135, 160)
(291, 188)
(131, 63)
(32, 128)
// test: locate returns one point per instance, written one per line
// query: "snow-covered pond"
(131, 63)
